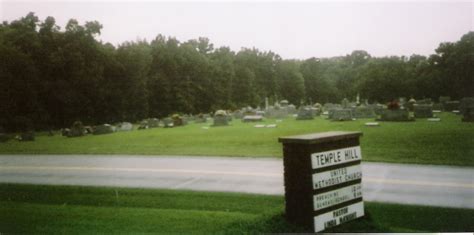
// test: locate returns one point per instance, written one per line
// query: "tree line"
(50, 77)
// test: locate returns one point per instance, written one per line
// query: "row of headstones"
(77, 129)
(421, 109)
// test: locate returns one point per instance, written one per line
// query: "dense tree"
(50, 77)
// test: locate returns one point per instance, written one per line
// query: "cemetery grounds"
(77, 209)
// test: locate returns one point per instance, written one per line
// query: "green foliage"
(55, 76)
(79, 210)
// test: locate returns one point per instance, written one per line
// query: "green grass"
(84, 210)
(449, 142)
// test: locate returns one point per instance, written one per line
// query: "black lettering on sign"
(340, 212)
(348, 217)
(330, 223)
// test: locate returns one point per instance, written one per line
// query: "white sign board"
(337, 196)
(337, 176)
(335, 157)
(339, 216)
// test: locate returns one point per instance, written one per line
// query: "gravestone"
(220, 118)
(467, 109)
(316, 111)
(103, 129)
(378, 108)
(322, 179)
(237, 114)
(248, 111)
(450, 106)
(331, 112)
(252, 118)
(402, 101)
(410, 105)
(65, 131)
(396, 115)
(364, 112)
(27, 136)
(291, 109)
(76, 130)
(143, 125)
(125, 126)
(438, 106)
(304, 113)
(178, 120)
(200, 118)
(153, 122)
(443, 100)
(345, 103)
(319, 107)
(168, 122)
(276, 112)
(423, 111)
(424, 101)
(341, 115)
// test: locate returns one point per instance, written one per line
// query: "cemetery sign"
(323, 179)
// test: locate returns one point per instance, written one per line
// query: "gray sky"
(293, 30)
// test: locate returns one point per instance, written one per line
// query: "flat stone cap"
(321, 137)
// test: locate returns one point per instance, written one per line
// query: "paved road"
(400, 183)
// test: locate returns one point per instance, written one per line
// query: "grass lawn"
(448, 142)
(84, 210)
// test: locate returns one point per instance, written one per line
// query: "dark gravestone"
(396, 115)
(301, 191)
(178, 120)
(423, 111)
(220, 118)
(76, 130)
(467, 109)
(27, 136)
(305, 113)
(341, 115)
(438, 106)
(364, 112)
(451, 105)
(443, 100)
(103, 129)
(220, 121)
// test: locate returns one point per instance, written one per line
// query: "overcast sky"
(293, 30)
